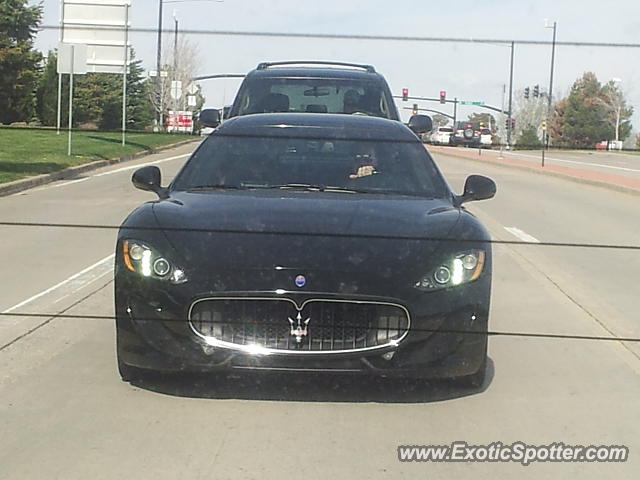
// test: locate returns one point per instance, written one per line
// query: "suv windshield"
(356, 165)
(313, 95)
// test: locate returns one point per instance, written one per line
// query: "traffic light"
(544, 125)
(443, 96)
(536, 91)
(506, 124)
(405, 94)
(526, 93)
(415, 109)
(513, 124)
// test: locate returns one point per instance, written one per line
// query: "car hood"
(261, 230)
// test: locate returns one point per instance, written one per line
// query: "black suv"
(467, 134)
(294, 87)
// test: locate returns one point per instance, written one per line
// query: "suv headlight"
(141, 258)
(462, 268)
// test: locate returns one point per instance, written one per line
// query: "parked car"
(298, 249)
(441, 136)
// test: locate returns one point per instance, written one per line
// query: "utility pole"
(510, 96)
(553, 56)
(158, 64)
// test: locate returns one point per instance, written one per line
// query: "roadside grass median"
(25, 152)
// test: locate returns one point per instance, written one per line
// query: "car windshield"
(356, 165)
(313, 95)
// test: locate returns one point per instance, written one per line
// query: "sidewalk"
(592, 177)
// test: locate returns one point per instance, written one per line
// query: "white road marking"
(56, 185)
(524, 236)
(635, 170)
(131, 167)
(96, 270)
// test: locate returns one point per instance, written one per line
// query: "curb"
(18, 186)
(539, 171)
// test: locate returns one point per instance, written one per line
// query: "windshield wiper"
(215, 187)
(310, 187)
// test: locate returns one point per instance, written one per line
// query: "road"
(619, 163)
(64, 413)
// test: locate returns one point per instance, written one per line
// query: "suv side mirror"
(149, 178)
(476, 187)
(420, 124)
(210, 117)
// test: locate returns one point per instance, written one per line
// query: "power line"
(321, 234)
(396, 38)
(490, 333)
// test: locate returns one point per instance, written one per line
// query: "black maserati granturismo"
(305, 243)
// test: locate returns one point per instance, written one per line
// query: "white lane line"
(524, 236)
(97, 265)
(131, 167)
(69, 182)
(577, 162)
(85, 283)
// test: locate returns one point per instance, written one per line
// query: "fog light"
(388, 355)
(442, 275)
(161, 267)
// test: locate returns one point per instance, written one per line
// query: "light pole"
(550, 99)
(159, 64)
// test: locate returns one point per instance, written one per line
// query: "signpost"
(72, 59)
(102, 26)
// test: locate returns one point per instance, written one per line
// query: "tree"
(618, 114)
(592, 112)
(439, 120)
(97, 97)
(19, 62)
(47, 92)
(528, 112)
(183, 66)
(486, 119)
(528, 138)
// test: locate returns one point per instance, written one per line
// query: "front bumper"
(447, 337)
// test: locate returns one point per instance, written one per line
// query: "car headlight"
(462, 268)
(141, 258)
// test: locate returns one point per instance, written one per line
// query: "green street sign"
(466, 102)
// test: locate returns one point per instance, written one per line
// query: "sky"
(468, 71)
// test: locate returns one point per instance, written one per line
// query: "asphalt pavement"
(65, 413)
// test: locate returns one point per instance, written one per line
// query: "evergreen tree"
(19, 62)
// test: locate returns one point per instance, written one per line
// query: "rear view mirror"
(317, 92)
(420, 124)
(210, 117)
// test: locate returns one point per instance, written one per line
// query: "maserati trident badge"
(299, 328)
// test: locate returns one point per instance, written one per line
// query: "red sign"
(179, 121)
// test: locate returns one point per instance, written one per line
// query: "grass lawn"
(25, 152)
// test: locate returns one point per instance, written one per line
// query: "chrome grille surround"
(275, 336)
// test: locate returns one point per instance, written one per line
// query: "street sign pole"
(124, 73)
(70, 100)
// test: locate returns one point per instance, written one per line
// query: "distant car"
(466, 134)
(305, 243)
(441, 136)
(315, 87)
(486, 138)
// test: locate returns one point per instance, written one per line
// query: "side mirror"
(420, 124)
(210, 117)
(149, 178)
(476, 187)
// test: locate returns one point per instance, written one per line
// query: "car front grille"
(279, 325)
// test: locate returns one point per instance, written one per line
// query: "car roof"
(315, 72)
(317, 125)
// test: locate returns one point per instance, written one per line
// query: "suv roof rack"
(265, 65)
